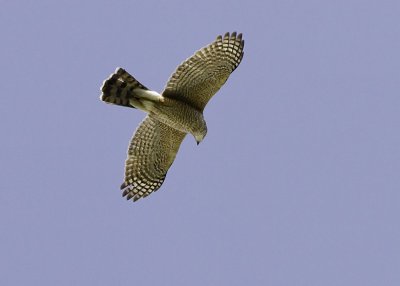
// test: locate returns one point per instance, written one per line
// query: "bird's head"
(199, 134)
(199, 137)
(198, 129)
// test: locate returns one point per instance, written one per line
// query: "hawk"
(177, 111)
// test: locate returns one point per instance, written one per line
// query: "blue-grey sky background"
(296, 183)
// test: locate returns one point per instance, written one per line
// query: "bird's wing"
(151, 152)
(198, 78)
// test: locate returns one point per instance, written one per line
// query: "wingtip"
(233, 35)
(125, 192)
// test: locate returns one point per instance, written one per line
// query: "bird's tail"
(122, 89)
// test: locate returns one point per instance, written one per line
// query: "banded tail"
(121, 88)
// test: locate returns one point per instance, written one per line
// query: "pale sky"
(296, 183)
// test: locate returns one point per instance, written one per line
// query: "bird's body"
(180, 115)
(172, 114)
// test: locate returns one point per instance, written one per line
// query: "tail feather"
(118, 88)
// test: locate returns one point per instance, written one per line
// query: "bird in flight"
(177, 111)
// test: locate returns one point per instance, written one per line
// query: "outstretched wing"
(151, 152)
(198, 78)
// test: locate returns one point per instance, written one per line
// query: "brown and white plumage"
(172, 114)
(199, 77)
(151, 152)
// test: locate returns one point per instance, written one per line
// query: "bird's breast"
(178, 115)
